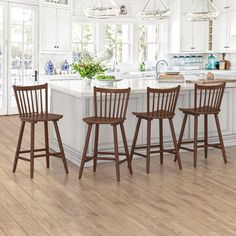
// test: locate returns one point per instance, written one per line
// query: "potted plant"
(88, 69)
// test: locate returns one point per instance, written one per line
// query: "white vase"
(87, 81)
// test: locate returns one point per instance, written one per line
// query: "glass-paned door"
(3, 59)
(23, 48)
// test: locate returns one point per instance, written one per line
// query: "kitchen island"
(74, 100)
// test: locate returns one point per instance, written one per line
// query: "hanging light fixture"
(155, 10)
(203, 10)
(102, 9)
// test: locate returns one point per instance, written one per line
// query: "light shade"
(203, 10)
(102, 9)
(155, 10)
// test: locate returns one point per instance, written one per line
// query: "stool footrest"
(110, 153)
(36, 150)
(55, 154)
(24, 159)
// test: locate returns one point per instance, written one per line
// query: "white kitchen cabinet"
(55, 29)
(223, 40)
(57, 3)
(194, 36)
(223, 5)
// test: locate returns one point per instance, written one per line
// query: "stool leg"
(148, 146)
(175, 143)
(61, 146)
(182, 132)
(126, 148)
(32, 150)
(220, 138)
(116, 153)
(161, 140)
(95, 147)
(46, 142)
(135, 138)
(206, 135)
(195, 140)
(18, 146)
(85, 151)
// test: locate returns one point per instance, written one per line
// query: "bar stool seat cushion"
(102, 120)
(154, 115)
(41, 117)
(200, 110)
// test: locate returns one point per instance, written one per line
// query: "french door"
(18, 50)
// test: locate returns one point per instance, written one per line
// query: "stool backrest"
(32, 100)
(111, 103)
(162, 100)
(208, 97)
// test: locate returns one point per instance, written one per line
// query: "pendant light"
(155, 10)
(203, 10)
(102, 9)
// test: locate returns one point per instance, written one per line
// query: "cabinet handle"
(226, 7)
(192, 48)
(226, 47)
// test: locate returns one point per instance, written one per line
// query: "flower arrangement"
(88, 68)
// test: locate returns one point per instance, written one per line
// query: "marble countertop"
(78, 88)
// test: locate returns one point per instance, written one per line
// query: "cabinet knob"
(226, 47)
(226, 7)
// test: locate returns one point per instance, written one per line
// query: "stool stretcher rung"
(24, 159)
(36, 150)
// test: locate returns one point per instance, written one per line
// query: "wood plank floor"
(198, 201)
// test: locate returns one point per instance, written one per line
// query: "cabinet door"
(193, 35)
(223, 5)
(63, 30)
(220, 33)
(49, 29)
(231, 31)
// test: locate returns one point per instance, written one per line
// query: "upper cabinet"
(223, 5)
(55, 28)
(186, 36)
(223, 37)
(194, 35)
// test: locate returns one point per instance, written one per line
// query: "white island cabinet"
(75, 101)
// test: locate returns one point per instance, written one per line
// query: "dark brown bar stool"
(161, 104)
(32, 103)
(207, 101)
(110, 106)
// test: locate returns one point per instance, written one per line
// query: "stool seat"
(103, 121)
(200, 110)
(154, 115)
(41, 117)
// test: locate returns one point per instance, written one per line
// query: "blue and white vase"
(49, 68)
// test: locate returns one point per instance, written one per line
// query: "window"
(117, 42)
(83, 39)
(148, 42)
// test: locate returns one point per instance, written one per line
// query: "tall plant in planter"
(88, 69)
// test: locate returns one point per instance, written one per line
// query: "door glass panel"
(22, 44)
(1, 57)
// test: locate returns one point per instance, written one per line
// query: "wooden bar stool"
(110, 106)
(161, 104)
(207, 101)
(32, 103)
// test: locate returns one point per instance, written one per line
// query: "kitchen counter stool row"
(110, 107)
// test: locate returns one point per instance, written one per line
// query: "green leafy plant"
(88, 68)
(106, 77)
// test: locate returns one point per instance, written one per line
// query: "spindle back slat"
(162, 101)
(31, 100)
(111, 103)
(208, 98)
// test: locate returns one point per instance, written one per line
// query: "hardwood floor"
(168, 201)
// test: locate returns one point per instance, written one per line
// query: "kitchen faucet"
(160, 62)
